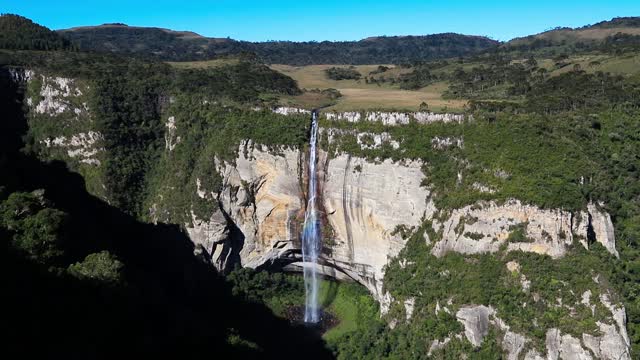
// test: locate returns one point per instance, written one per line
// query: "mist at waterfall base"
(311, 237)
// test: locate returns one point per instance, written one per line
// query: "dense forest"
(17, 32)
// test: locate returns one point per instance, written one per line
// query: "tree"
(102, 267)
(35, 229)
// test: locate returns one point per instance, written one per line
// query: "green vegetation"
(560, 41)
(381, 91)
(564, 147)
(336, 73)
(455, 280)
(19, 33)
(351, 305)
(36, 229)
(150, 43)
(130, 100)
(78, 262)
(208, 131)
(101, 266)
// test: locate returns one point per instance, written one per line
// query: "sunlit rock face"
(259, 203)
(83, 146)
(486, 226)
(60, 101)
(364, 203)
(262, 200)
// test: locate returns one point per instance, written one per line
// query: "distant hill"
(172, 45)
(150, 42)
(20, 33)
(582, 37)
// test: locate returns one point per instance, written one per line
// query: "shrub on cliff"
(102, 267)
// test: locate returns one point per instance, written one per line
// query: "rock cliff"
(365, 203)
(262, 202)
(478, 319)
(486, 226)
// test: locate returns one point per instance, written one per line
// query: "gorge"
(371, 207)
(189, 208)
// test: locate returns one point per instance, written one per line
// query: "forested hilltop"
(17, 32)
(168, 45)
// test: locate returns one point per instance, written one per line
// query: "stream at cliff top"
(311, 237)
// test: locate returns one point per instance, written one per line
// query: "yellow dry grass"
(358, 95)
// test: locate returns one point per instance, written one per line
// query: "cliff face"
(365, 204)
(612, 342)
(262, 205)
(486, 226)
(61, 123)
(259, 208)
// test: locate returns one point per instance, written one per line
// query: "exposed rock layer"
(486, 226)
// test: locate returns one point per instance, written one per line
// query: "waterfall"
(311, 236)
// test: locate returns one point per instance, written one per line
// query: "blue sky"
(326, 20)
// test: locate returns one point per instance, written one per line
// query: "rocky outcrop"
(170, 137)
(370, 141)
(564, 347)
(602, 227)
(393, 118)
(609, 345)
(476, 322)
(283, 110)
(478, 319)
(259, 205)
(83, 146)
(442, 143)
(212, 236)
(485, 227)
(18, 76)
(59, 101)
(55, 96)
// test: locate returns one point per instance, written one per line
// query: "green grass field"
(350, 303)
